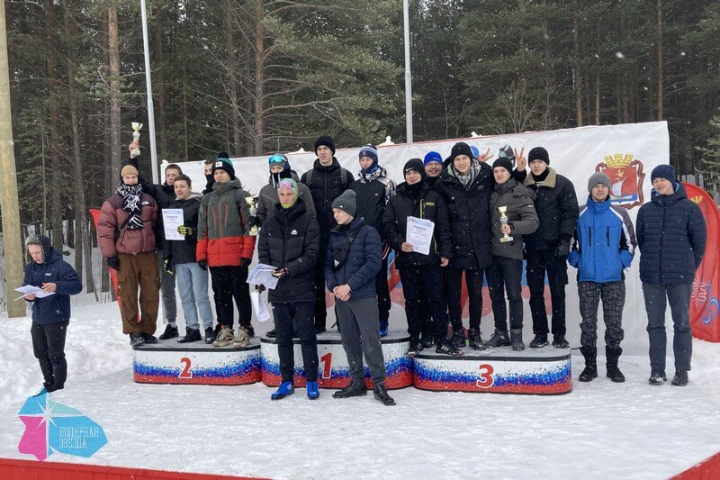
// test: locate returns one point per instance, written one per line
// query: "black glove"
(168, 266)
(202, 264)
(563, 250)
(185, 230)
(245, 262)
(260, 288)
(114, 263)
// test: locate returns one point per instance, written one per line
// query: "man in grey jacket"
(513, 215)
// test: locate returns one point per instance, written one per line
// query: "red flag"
(704, 305)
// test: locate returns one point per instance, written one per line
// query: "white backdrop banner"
(627, 153)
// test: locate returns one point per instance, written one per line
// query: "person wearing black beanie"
(547, 249)
(224, 163)
(226, 248)
(421, 272)
(672, 236)
(513, 216)
(465, 186)
(326, 181)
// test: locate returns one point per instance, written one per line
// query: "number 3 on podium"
(485, 377)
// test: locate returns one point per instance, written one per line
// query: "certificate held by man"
(420, 234)
(172, 219)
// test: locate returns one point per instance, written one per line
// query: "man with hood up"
(50, 314)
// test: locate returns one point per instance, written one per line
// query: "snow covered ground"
(600, 430)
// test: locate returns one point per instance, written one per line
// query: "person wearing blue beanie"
(433, 167)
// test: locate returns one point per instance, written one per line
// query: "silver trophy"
(504, 221)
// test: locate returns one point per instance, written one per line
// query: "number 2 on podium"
(185, 372)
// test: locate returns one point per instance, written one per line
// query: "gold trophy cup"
(254, 228)
(504, 221)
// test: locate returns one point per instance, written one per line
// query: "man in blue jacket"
(51, 313)
(604, 244)
(671, 234)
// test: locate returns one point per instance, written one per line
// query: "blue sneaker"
(285, 389)
(312, 390)
(383, 329)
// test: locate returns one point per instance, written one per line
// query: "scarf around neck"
(379, 174)
(131, 195)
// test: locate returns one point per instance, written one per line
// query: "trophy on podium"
(253, 222)
(504, 221)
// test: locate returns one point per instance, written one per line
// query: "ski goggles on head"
(277, 159)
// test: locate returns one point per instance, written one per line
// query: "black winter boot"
(381, 395)
(516, 339)
(191, 335)
(170, 332)
(613, 372)
(356, 388)
(499, 339)
(210, 334)
(458, 338)
(539, 341)
(136, 339)
(475, 338)
(590, 371)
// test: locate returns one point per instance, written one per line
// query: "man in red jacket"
(225, 247)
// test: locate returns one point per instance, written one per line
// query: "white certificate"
(172, 219)
(262, 275)
(258, 304)
(37, 291)
(420, 234)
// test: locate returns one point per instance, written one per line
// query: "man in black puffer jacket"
(671, 234)
(290, 242)
(326, 180)
(420, 272)
(50, 314)
(465, 186)
(373, 190)
(548, 248)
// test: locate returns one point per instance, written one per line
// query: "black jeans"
(48, 343)
(426, 322)
(301, 314)
(473, 281)
(539, 262)
(382, 290)
(320, 306)
(427, 279)
(505, 274)
(229, 283)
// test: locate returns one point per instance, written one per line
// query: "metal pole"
(150, 108)
(8, 185)
(408, 75)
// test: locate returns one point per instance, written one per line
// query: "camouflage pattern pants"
(613, 300)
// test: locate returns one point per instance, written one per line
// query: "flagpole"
(408, 75)
(148, 84)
